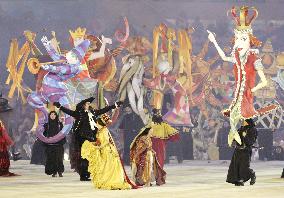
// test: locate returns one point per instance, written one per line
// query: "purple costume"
(54, 89)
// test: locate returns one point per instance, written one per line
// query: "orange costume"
(246, 65)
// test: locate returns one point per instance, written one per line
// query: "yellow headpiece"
(78, 33)
(106, 119)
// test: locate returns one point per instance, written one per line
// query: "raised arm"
(65, 69)
(70, 112)
(50, 49)
(100, 53)
(221, 53)
(98, 112)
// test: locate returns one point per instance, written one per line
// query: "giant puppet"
(246, 65)
(131, 76)
(171, 72)
(53, 88)
(100, 67)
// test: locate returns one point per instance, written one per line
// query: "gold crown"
(78, 33)
(243, 21)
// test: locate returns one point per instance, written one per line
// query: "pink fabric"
(174, 138)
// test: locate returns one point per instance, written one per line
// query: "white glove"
(45, 67)
(211, 36)
(45, 41)
(106, 40)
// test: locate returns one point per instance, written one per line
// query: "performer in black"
(130, 125)
(55, 151)
(84, 128)
(239, 170)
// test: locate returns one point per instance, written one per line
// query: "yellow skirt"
(104, 166)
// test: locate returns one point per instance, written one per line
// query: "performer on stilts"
(247, 64)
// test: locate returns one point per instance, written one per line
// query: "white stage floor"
(191, 179)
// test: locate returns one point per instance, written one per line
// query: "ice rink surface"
(191, 179)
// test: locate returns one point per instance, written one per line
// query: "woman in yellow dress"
(105, 167)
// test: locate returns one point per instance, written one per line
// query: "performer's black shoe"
(16, 156)
(85, 179)
(53, 175)
(252, 179)
(239, 184)
(60, 174)
(282, 176)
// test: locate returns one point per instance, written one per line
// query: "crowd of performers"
(96, 157)
(94, 154)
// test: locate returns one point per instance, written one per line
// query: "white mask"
(77, 41)
(71, 58)
(164, 67)
(242, 42)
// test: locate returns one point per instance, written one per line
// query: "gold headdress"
(106, 119)
(78, 33)
(243, 21)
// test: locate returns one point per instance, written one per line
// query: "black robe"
(131, 124)
(38, 153)
(55, 151)
(239, 169)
